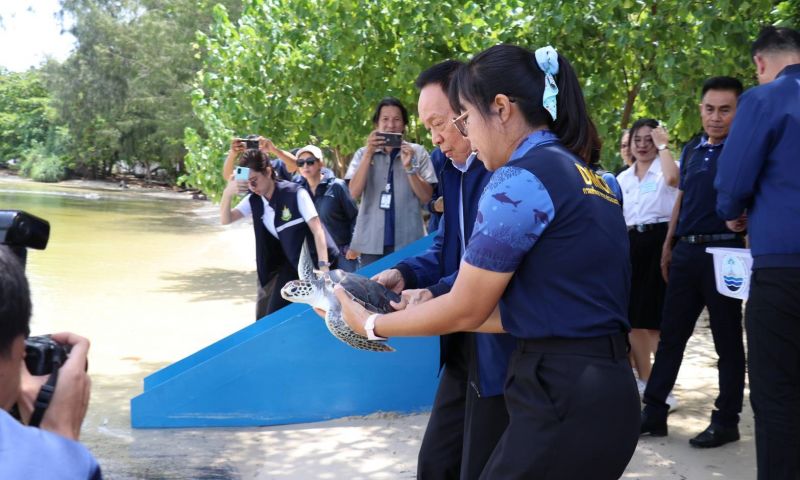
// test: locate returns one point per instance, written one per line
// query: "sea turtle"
(316, 289)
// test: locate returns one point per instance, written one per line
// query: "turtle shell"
(369, 293)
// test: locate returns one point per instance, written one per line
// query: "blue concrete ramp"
(287, 368)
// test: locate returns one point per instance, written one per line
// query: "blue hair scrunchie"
(547, 58)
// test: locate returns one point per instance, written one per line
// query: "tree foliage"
(25, 113)
(312, 70)
(124, 94)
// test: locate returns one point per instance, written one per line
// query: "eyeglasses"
(308, 161)
(461, 123)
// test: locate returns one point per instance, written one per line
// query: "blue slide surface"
(287, 368)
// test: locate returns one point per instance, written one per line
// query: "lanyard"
(389, 179)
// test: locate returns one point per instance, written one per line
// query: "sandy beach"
(187, 291)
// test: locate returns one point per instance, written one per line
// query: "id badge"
(386, 200)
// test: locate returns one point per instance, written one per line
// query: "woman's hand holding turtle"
(354, 314)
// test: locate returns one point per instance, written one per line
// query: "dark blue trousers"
(691, 287)
(773, 346)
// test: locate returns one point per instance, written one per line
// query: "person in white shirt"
(649, 189)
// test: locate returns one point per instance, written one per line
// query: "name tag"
(386, 200)
(647, 187)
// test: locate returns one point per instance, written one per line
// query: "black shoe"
(655, 427)
(715, 436)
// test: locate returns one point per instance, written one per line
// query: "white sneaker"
(672, 402)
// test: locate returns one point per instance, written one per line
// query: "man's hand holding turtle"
(410, 298)
(391, 279)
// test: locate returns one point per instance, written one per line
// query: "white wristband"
(369, 326)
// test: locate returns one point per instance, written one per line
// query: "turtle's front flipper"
(339, 328)
(305, 267)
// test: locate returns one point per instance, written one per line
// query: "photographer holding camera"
(52, 451)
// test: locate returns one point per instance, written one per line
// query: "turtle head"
(299, 291)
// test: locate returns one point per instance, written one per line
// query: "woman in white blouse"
(649, 189)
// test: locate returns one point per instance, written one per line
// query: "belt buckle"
(641, 228)
(692, 238)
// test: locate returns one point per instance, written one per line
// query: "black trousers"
(269, 297)
(691, 287)
(574, 412)
(773, 345)
(464, 427)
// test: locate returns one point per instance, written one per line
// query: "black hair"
(15, 301)
(776, 39)
(642, 122)
(258, 161)
(389, 102)
(722, 83)
(441, 74)
(514, 72)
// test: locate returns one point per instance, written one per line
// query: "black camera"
(20, 230)
(250, 142)
(43, 355)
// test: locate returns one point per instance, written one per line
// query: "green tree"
(124, 94)
(312, 70)
(25, 113)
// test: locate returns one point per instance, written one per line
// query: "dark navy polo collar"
(704, 143)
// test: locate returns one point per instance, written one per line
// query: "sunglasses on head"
(306, 161)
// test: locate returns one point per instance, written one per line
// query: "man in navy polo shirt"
(759, 173)
(689, 271)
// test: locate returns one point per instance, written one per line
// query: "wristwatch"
(323, 264)
(369, 326)
(663, 146)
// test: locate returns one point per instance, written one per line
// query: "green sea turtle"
(316, 289)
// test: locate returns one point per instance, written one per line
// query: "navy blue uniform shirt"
(760, 170)
(336, 208)
(549, 218)
(698, 168)
(437, 267)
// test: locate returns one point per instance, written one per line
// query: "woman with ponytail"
(546, 230)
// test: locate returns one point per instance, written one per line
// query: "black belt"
(645, 227)
(610, 346)
(715, 237)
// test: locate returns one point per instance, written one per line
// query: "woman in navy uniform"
(545, 226)
(284, 217)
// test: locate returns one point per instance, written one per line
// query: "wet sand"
(148, 301)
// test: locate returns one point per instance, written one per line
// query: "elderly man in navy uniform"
(469, 414)
(689, 271)
(758, 173)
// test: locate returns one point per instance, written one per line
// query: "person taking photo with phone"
(284, 218)
(393, 178)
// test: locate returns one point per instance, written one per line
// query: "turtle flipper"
(305, 267)
(339, 328)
